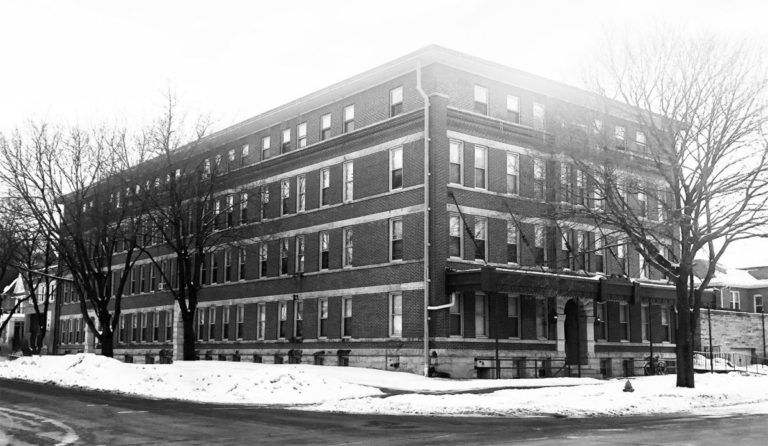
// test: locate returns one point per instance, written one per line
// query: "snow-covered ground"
(357, 390)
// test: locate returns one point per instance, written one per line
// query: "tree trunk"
(684, 337)
(189, 338)
(107, 343)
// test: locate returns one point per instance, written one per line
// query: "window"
(539, 179)
(481, 100)
(642, 204)
(581, 187)
(566, 184)
(513, 315)
(206, 168)
(168, 326)
(481, 162)
(300, 254)
(214, 268)
(286, 140)
(758, 303)
(121, 337)
(640, 140)
(665, 332)
(264, 201)
(285, 197)
(513, 173)
(513, 108)
(396, 315)
(216, 214)
(143, 278)
(621, 255)
(599, 257)
(298, 319)
(348, 247)
(301, 193)
(227, 265)
(325, 186)
(455, 320)
(263, 257)
(661, 204)
(601, 325)
(538, 116)
(481, 315)
(349, 181)
(301, 135)
(261, 320)
(645, 321)
(580, 260)
(231, 159)
(644, 267)
(284, 256)
(282, 326)
(265, 141)
(200, 324)
(322, 313)
(597, 127)
(241, 263)
(230, 199)
(395, 101)
(619, 134)
(624, 321)
(152, 278)
(346, 318)
(540, 243)
(512, 242)
(456, 153)
(224, 323)
(396, 168)
(349, 119)
(481, 235)
(244, 151)
(144, 330)
(243, 207)
(211, 323)
(324, 253)
(325, 127)
(735, 300)
(454, 237)
(396, 239)
(217, 163)
(240, 321)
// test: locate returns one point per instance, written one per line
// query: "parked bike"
(654, 366)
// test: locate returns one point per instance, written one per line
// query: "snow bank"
(204, 381)
(652, 395)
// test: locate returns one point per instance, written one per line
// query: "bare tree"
(191, 216)
(88, 215)
(695, 178)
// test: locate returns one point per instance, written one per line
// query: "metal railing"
(729, 362)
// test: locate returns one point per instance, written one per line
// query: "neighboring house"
(334, 271)
(23, 327)
(736, 310)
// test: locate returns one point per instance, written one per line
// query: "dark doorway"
(572, 338)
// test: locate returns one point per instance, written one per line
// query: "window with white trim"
(666, 334)
(513, 173)
(225, 323)
(624, 321)
(735, 303)
(325, 127)
(538, 116)
(301, 135)
(348, 119)
(455, 156)
(566, 183)
(284, 248)
(645, 321)
(298, 318)
(513, 242)
(227, 265)
(285, 197)
(346, 316)
(286, 146)
(481, 236)
(540, 245)
(349, 247)
(599, 253)
(240, 322)
(456, 322)
(395, 101)
(211, 323)
(481, 100)
(348, 170)
(619, 135)
(244, 151)
(325, 186)
(513, 108)
(481, 315)
(640, 140)
(265, 143)
(322, 314)
(758, 303)
(396, 315)
(263, 257)
(481, 166)
(513, 315)
(396, 239)
(396, 168)
(301, 193)
(324, 250)
(300, 254)
(261, 320)
(264, 201)
(539, 179)
(282, 312)
(454, 236)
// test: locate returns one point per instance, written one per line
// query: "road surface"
(45, 415)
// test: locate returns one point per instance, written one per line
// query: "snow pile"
(204, 381)
(652, 395)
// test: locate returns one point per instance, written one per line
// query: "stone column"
(589, 327)
(561, 325)
(178, 333)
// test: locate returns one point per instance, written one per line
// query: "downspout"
(425, 98)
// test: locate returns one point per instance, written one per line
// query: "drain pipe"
(425, 98)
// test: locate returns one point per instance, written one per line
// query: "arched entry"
(575, 342)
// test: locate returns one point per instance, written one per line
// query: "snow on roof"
(736, 278)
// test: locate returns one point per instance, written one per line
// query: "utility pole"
(709, 325)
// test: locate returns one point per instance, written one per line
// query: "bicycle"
(654, 366)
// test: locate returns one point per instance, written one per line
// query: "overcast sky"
(91, 61)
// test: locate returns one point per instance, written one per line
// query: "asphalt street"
(41, 414)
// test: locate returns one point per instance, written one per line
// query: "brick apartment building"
(347, 261)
